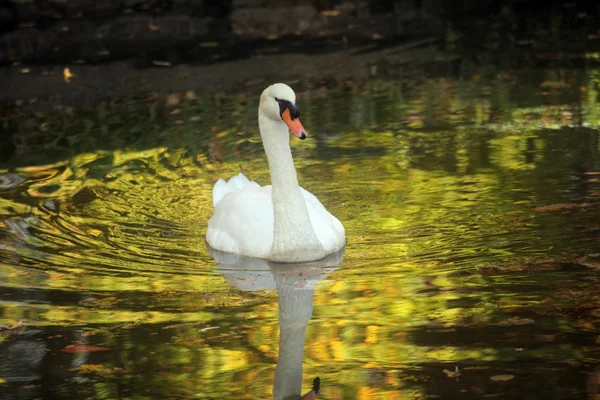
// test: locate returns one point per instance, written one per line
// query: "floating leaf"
(90, 368)
(452, 374)
(173, 99)
(2, 380)
(98, 369)
(83, 348)
(160, 63)
(330, 13)
(191, 95)
(68, 75)
(502, 378)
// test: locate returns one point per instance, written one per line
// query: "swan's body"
(282, 221)
(243, 223)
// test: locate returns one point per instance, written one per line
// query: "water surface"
(472, 212)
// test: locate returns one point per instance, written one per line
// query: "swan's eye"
(288, 105)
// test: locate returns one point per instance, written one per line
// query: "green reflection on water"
(435, 182)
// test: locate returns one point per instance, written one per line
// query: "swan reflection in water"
(295, 285)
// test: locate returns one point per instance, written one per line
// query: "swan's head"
(278, 102)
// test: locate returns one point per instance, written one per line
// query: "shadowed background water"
(471, 210)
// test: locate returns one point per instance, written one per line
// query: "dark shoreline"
(37, 87)
(135, 48)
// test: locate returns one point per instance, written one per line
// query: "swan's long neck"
(293, 230)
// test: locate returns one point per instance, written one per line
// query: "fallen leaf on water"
(83, 348)
(68, 75)
(330, 13)
(99, 369)
(2, 380)
(208, 328)
(88, 368)
(191, 95)
(452, 374)
(94, 232)
(502, 378)
(55, 336)
(172, 99)
(153, 27)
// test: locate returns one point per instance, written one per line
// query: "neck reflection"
(295, 284)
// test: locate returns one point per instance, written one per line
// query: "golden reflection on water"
(436, 184)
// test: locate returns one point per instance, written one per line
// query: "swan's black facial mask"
(288, 105)
(290, 114)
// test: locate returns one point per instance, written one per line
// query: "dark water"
(472, 210)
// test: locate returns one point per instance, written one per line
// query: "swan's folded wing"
(242, 222)
(328, 228)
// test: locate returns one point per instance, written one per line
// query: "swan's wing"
(328, 228)
(242, 221)
(221, 188)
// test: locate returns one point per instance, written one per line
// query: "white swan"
(282, 222)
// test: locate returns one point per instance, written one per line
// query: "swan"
(280, 222)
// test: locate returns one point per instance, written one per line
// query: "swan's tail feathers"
(220, 189)
(315, 390)
(236, 182)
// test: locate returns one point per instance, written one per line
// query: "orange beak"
(294, 124)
